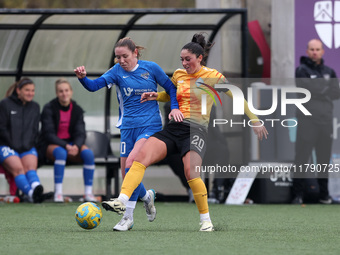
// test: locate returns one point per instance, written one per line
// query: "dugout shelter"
(46, 44)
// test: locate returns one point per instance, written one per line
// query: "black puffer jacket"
(323, 85)
(50, 121)
(19, 123)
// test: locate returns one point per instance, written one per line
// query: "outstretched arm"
(150, 96)
(159, 96)
(80, 72)
(90, 85)
(260, 130)
(258, 127)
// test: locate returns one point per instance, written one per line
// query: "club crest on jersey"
(145, 75)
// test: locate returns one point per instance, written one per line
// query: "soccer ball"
(88, 215)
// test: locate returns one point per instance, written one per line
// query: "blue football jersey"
(130, 86)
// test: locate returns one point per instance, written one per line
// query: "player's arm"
(90, 85)
(171, 90)
(152, 96)
(175, 113)
(159, 96)
(93, 85)
(251, 116)
(258, 127)
(163, 97)
(163, 80)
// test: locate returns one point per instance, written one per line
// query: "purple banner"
(321, 20)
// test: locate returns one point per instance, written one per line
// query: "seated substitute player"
(187, 137)
(64, 135)
(137, 122)
(19, 128)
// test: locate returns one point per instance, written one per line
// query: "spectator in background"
(315, 131)
(19, 128)
(63, 131)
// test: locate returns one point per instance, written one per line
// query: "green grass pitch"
(50, 228)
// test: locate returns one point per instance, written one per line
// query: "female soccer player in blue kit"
(137, 121)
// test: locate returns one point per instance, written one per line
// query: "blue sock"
(22, 183)
(60, 155)
(32, 176)
(142, 191)
(138, 191)
(88, 169)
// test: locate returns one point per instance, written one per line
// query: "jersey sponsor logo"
(128, 91)
(13, 112)
(145, 75)
(139, 92)
(124, 77)
(327, 18)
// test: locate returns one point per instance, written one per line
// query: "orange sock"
(133, 178)
(200, 194)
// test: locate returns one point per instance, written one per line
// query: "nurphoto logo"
(238, 105)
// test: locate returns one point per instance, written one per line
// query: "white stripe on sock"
(58, 188)
(131, 204)
(205, 217)
(35, 184)
(88, 189)
(60, 162)
(90, 167)
(123, 198)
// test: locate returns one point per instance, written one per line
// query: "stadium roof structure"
(45, 44)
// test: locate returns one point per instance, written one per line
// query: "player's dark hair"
(199, 46)
(127, 42)
(18, 84)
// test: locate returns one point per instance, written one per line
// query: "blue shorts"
(6, 152)
(128, 137)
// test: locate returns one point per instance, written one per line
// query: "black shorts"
(180, 138)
